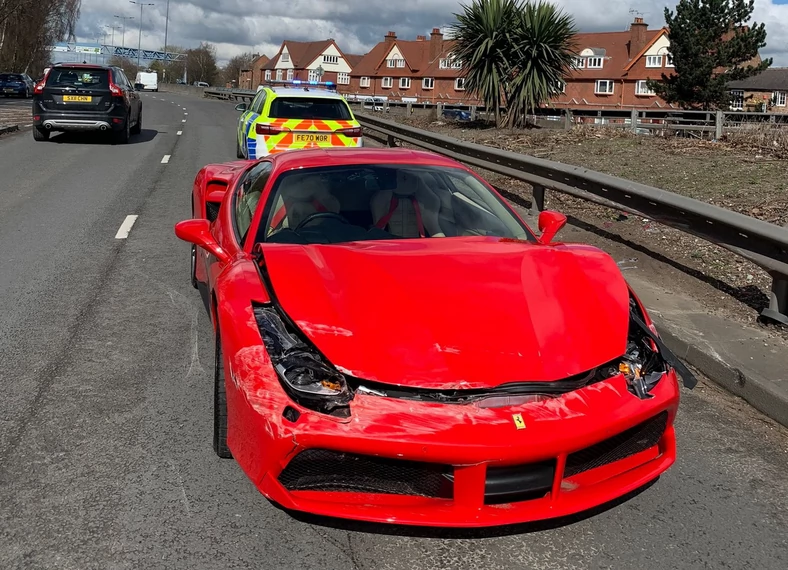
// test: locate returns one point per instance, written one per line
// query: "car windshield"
(316, 108)
(340, 204)
(10, 77)
(78, 77)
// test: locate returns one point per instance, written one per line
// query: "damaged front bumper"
(458, 465)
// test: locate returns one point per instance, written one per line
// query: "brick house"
(420, 70)
(303, 60)
(252, 77)
(766, 91)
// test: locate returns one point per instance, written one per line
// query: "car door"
(247, 123)
(131, 94)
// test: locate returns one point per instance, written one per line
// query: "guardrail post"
(409, 108)
(439, 110)
(473, 112)
(634, 120)
(778, 301)
(568, 119)
(390, 141)
(538, 194)
(719, 120)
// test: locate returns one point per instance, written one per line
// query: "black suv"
(85, 97)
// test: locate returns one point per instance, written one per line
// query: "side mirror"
(241, 107)
(550, 223)
(198, 232)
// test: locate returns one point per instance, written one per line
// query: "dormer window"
(449, 62)
(594, 63)
(285, 57)
(331, 59)
(395, 62)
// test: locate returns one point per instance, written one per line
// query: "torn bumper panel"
(433, 464)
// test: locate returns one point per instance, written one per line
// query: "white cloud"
(236, 26)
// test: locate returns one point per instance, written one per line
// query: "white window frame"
(285, 57)
(560, 86)
(404, 82)
(313, 76)
(268, 75)
(363, 82)
(609, 82)
(343, 79)
(669, 60)
(392, 63)
(641, 89)
(279, 75)
(737, 95)
(428, 83)
(653, 61)
(595, 62)
(290, 74)
(387, 83)
(578, 62)
(459, 84)
(780, 98)
(331, 59)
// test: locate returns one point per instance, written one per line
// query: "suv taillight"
(39, 88)
(261, 129)
(352, 132)
(114, 89)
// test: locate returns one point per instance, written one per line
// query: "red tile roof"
(417, 60)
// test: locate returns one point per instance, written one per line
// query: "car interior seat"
(409, 211)
(301, 195)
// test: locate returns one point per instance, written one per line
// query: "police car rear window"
(78, 77)
(309, 108)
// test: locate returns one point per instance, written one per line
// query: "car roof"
(348, 156)
(76, 64)
(304, 92)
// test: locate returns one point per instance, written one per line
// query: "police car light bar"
(327, 84)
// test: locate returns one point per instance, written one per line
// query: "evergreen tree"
(711, 46)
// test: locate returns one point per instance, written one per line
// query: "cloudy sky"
(237, 26)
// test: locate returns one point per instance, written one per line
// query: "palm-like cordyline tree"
(516, 50)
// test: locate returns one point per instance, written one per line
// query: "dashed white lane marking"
(183, 121)
(166, 159)
(179, 133)
(125, 227)
(185, 113)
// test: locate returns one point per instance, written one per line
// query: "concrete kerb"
(748, 385)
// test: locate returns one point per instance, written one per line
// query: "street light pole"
(124, 18)
(139, 44)
(166, 27)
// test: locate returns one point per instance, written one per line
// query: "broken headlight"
(305, 376)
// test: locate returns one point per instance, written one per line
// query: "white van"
(149, 79)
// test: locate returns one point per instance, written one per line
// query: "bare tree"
(232, 71)
(201, 63)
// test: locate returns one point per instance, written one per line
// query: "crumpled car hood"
(454, 313)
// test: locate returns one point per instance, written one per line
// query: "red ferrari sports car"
(393, 343)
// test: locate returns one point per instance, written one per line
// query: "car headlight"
(305, 376)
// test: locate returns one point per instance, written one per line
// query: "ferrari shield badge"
(518, 421)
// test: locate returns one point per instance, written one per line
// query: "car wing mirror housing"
(241, 107)
(198, 232)
(550, 223)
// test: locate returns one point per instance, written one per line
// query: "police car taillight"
(352, 132)
(261, 129)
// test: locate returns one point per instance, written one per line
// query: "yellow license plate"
(77, 98)
(312, 138)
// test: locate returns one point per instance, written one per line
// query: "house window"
(594, 63)
(737, 100)
(668, 60)
(641, 88)
(285, 57)
(578, 63)
(404, 82)
(279, 75)
(343, 78)
(386, 82)
(779, 98)
(604, 87)
(363, 82)
(290, 74)
(313, 76)
(268, 75)
(395, 62)
(450, 63)
(459, 84)
(331, 59)
(428, 83)
(560, 86)
(653, 61)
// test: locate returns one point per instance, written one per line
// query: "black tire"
(40, 134)
(194, 266)
(137, 129)
(219, 403)
(122, 137)
(239, 153)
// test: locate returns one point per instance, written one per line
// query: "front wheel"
(239, 153)
(219, 403)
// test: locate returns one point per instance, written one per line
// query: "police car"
(291, 115)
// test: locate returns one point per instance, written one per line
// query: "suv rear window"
(79, 77)
(319, 108)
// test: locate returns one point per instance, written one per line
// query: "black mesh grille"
(324, 470)
(211, 210)
(629, 442)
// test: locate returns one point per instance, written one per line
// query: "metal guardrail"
(762, 243)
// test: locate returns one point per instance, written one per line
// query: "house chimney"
(390, 37)
(637, 36)
(436, 43)
(421, 38)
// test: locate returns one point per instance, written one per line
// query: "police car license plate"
(312, 138)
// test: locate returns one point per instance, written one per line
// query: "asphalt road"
(105, 416)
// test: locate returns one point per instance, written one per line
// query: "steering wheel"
(312, 217)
